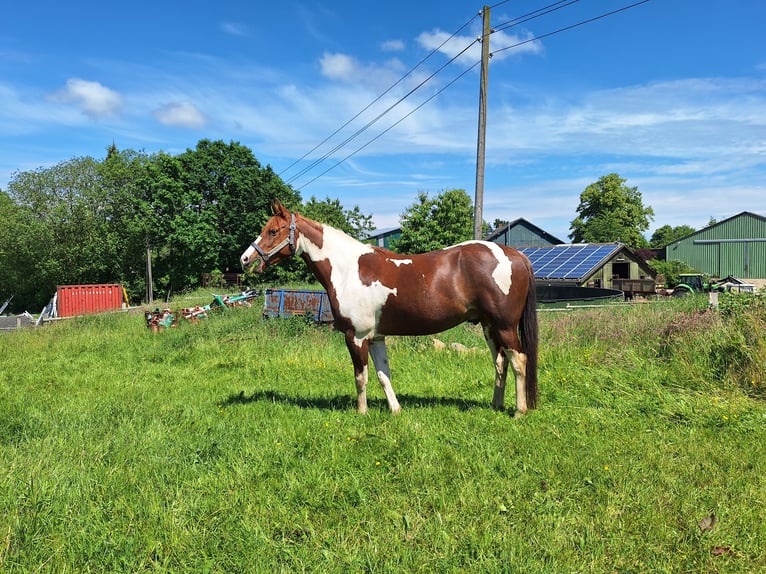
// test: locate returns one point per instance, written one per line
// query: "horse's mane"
(318, 224)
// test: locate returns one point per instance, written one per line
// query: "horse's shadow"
(345, 402)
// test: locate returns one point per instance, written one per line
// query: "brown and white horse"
(374, 292)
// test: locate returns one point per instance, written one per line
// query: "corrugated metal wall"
(730, 247)
(83, 299)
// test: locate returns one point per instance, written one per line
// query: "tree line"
(88, 221)
(98, 221)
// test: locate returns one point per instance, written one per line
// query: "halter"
(290, 240)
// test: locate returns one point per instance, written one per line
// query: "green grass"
(233, 445)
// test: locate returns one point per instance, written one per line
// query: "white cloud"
(233, 28)
(392, 46)
(93, 99)
(181, 114)
(467, 49)
(339, 66)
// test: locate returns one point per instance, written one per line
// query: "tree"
(89, 221)
(671, 270)
(22, 249)
(610, 211)
(431, 224)
(666, 235)
(231, 183)
(497, 224)
(67, 227)
(208, 204)
(123, 175)
(330, 211)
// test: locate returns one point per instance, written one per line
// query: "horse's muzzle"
(252, 262)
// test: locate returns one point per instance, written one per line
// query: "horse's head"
(275, 242)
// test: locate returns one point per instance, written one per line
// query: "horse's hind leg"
(501, 369)
(380, 360)
(519, 364)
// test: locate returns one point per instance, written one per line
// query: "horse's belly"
(401, 322)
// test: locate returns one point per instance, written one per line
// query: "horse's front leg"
(380, 359)
(358, 350)
(500, 362)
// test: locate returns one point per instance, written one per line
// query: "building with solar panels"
(596, 265)
(590, 265)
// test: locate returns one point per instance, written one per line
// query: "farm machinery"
(164, 318)
(689, 283)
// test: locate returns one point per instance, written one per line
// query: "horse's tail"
(529, 339)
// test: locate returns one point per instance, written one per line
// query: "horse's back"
(475, 281)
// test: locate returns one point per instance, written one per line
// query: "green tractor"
(689, 283)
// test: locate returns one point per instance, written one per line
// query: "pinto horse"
(374, 292)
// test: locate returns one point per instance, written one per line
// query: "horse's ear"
(278, 208)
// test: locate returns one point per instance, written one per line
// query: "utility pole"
(478, 210)
(149, 290)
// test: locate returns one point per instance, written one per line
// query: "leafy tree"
(85, 221)
(66, 227)
(209, 204)
(431, 224)
(330, 211)
(670, 269)
(123, 175)
(610, 211)
(666, 235)
(22, 249)
(230, 182)
(497, 224)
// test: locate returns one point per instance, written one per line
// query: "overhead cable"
(572, 26)
(400, 80)
(396, 123)
(379, 116)
(534, 14)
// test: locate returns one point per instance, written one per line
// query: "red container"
(83, 299)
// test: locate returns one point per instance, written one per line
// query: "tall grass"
(233, 445)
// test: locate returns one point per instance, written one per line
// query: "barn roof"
(570, 261)
(521, 222)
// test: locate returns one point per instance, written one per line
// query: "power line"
(531, 15)
(396, 123)
(572, 26)
(368, 106)
(379, 116)
(534, 14)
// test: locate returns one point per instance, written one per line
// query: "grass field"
(233, 445)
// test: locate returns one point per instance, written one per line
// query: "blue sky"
(670, 94)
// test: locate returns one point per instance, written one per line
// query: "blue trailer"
(313, 304)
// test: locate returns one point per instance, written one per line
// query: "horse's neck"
(320, 243)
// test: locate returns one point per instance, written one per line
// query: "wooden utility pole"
(478, 210)
(149, 290)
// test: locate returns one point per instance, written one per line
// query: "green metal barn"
(735, 246)
(522, 233)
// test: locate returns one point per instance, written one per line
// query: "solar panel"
(567, 261)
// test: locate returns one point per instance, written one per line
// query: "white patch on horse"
(359, 303)
(249, 251)
(399, 262)
(504, 270)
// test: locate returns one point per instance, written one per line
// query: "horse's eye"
(272, 232)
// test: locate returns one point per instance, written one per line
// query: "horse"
(374, 293)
